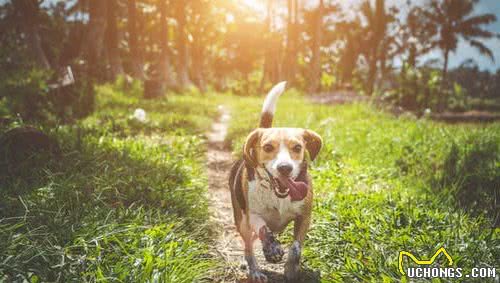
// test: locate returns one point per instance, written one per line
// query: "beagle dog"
(270, 187)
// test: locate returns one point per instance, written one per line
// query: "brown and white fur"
(259, 211)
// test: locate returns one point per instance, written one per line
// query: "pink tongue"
(298, 190)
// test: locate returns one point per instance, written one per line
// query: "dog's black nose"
(285, 169)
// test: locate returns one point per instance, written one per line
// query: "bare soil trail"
(228, 244)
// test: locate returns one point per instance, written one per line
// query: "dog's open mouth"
(287, 186)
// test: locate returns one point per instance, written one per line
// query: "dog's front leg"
(292, 265)
(254, 274)
(249, 236)
(271, 247)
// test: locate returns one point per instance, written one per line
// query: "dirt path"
(229, 245)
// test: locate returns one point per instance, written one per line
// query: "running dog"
(270, 187)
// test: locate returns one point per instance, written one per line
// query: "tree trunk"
(198, 46)
(348, 60)
(94, 42)
(165, 67)
(266, 70)
(198, 66)
(272, 62)
(136, 58)
(35, 45)
(95, 38)
(30, 10)
(412, 57)
(445, 66)
(315, 71)
(290, 61)
(113, 37)
(378, 34)
(372, 72)
(442, 99)
(182, 47)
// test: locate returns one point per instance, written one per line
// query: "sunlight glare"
(257, 5)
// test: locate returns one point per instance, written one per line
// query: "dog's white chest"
(276, 212)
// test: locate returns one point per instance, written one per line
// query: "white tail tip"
(272, 97)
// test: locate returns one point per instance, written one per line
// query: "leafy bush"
(246, 86)
(419, 88)
(327, 81)
(26, 93)
(131, 86)
(416, 89)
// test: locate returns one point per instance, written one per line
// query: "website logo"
(424, 270)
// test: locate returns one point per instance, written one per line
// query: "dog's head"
(281, 150)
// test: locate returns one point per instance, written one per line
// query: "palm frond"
(434, 13)
(463, 8)
(479, 20)
(474, 32)
(482, 48)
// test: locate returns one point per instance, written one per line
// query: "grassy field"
(124, 203)
(386, 184)
(126, 200)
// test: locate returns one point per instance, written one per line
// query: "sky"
(465, 51)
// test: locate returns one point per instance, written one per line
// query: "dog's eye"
(297, 148)
(268, 147)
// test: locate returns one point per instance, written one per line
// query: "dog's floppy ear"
(313, 143)
(249, 153)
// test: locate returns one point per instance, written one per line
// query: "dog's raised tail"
(269, 106)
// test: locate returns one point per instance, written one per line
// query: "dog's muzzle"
(285, 186)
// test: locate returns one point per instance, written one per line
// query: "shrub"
(26, 93)
(132, 86)
(418, 89)
(327, 81)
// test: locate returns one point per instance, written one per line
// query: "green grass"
(386, 184)
(125, 202)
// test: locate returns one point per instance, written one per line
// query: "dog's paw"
(256, 276)
(271, 247)
(273, 252)
(292, 266)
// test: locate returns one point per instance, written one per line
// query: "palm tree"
(378, 21)
(112, 39)
(182, 45)
(133, 41)
(27, 14)
(453, 20)
(315, 71)
(292, 41)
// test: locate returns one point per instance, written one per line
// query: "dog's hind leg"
(292, 265)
